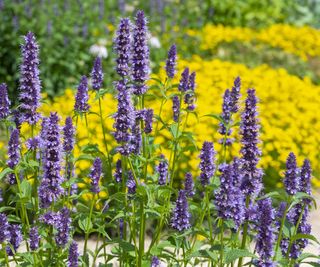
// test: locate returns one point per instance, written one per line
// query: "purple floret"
(207, 163)
(171, 61)
(140, 54)
(97, 74)
(30, 85)
(95, 175)
(13, 153)
(180, 219)
(4, 102)
(81, 103)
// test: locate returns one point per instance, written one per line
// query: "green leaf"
(304, 236)
(216, 116)
(234, 254)
(315, 264)
(85, 224)
(5, 172)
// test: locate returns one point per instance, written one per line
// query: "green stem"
(104, 138)
(295, 230)
(245, 233)
(280, 232)
(87, 226)
(221, 242)
(142, 233)
(5, 254)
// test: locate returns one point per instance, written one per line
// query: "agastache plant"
(138, 197)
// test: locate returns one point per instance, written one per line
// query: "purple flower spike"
(148, 121)
(229, 199)
(184, 81)
(97, 74)
(180, 219)
(73, 257)
(4, 226)
(121, 226)
(291, 180)
(189, 97)
(68, 135)
(13, 153)
(124, 119)
(155, 262)
(63, 226)
(207, 163)
(305, 183)
(136, 138)
(171, 61)
(15, 238)
(95, 175)
(82, 97)
(131, 183)
(189, 185)
(33, 143)
(140, 54)
(34, 238)
(176, 108)
(4, 102)
(30, 86)
(50, 188)
(235, 95)
(118, 173)
(266, 233)
(162, 170)
(122, 47)
(249, 127)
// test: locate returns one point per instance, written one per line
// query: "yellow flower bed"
(288, 112)
(301, 41)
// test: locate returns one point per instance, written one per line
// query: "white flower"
(99, 50)
(155, 42)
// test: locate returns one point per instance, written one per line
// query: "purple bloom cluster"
(189, 96)
(122, 47)
(146, 115)
(131, 183)
(171, 61)
(136, 138)
(95, 175)
(50, 188)
(81, 104)
(235, 95)
(176, 108)
(34, 238)
(291, 180)
(180, 219)
(97, 74)
(124, 118)
(266, 232)
(155, 262)
(121, 226)
(13, 153)
(207, 163)
(184, 81)
(15, 238)
(162, 170)
(229, 199)
(29, 81)
(252, 176)
(189, 185)
(140, 54)
(33, 143)
(118, 173)
(63, 226)
(229, 107)
(4, 102)
(73, 257)
(68, 135)
(4, 226)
